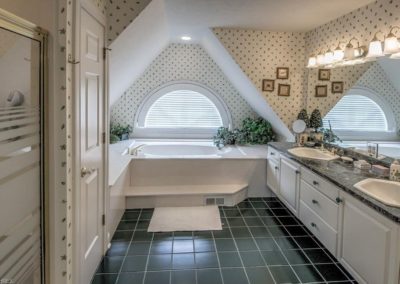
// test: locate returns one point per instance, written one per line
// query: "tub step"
(185, 190)
(161, 196)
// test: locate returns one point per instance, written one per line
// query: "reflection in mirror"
(362, 104)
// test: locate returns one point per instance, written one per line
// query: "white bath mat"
(198, 218)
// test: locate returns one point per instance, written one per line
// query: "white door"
(289, 184)
(91, 98)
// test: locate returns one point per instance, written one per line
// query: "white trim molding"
(140, 131)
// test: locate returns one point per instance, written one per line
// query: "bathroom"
(172, 141)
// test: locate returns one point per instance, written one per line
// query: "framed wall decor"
(321, 91)
(283, 90)
(337, 88)
(282, 73)
(268, 85)
(324, 74)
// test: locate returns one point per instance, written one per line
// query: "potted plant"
(120, 131)
(255, 131)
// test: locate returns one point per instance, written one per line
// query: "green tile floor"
(261, 242)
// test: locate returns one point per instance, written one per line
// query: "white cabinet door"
(289, 184)
(369, 249)
(273, 175)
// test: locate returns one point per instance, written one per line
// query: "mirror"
(299, 126)
(361, 102)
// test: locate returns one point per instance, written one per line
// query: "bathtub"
(158, 169)
(144, 149)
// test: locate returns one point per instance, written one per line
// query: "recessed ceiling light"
(186, 38)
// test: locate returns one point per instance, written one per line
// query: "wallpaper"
(259, 53)
(375, 79)
(362, 24)
(120, 13)
(180, 62)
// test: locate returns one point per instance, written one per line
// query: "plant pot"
(125, 136)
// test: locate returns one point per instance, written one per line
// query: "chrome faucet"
(373, 149)
(134, 151)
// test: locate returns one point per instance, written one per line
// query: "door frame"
(92, 10)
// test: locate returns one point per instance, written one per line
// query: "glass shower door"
(21, 182)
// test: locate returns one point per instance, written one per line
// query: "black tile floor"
(261, 242)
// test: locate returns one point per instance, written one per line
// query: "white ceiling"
(192, 16)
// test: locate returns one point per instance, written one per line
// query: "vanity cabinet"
(273, 170)
(318, 208)
(370, 243)
(289, 184)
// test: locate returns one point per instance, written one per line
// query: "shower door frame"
(20, 26)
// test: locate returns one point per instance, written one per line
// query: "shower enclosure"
(22, 72)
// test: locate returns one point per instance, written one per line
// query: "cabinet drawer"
(322, 205)
(273, 153)
(325, 234)
(321, 184)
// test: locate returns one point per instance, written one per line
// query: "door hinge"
(105, 49)
(103, 138)
(103, 219)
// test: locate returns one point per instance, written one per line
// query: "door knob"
(86, 171)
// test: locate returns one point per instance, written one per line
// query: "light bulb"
(320, 59)
(392, 44)
(338, 55)
(312, 62)
(328, 57)
(375, 47)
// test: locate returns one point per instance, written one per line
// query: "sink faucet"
(134, 151)
(373, 149)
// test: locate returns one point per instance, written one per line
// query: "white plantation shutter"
(357, 113)
(183, 109)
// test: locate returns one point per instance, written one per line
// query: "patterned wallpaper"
(375, 79)
(348, 75)
(259, 53)
(120, 13)
(362, 24)
(180, 62)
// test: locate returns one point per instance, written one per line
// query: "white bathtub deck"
(184, 190)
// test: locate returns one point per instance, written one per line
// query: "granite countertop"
(342, 175)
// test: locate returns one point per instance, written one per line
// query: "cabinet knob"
(297, 172)
(314, 201)
(313, 225)
(315, 182)
(339, 200)
(276, 168)
(272, 154)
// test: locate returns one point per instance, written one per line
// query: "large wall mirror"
(361, 103)
(22, 69)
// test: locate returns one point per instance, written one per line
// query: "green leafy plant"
(329, 135)
(119, 130)
(114, 139)
(256, 131)
(303, 115)
(224, 137)
(316, 119)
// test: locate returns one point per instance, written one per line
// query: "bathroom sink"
(387, 192)
(312, 153)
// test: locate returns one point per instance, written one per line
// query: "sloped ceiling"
(164, 21)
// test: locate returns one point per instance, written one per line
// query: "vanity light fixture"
(338, 54)
(321, 59)
(375, 47)
(392, 44)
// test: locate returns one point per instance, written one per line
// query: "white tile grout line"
(127, 250)
(216, 252)
(238, 252)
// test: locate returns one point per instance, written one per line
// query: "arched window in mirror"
(361, 115)
(181, 110)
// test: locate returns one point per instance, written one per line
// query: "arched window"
(181, 110)
(361, 115)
